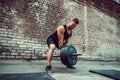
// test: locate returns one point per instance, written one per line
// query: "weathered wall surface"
(101, 25)
(103, 34)
(25, 26)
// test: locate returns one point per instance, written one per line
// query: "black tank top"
(66, 35)
(55, 37)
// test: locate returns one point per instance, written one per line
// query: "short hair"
(76, 20)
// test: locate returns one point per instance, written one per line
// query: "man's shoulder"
(61, 28)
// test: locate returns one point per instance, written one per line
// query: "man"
(59, 39)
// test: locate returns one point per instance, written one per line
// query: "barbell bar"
(44, 57)
(68, 56)
(75, 54)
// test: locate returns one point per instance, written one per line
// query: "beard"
(71, 27)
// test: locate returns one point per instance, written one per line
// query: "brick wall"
(100, 35)
(18, 47)
(14, 46)
(26, 24)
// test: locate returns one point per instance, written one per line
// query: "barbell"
(68, 56)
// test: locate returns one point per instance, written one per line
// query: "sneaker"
(49, 69)
(71, 67)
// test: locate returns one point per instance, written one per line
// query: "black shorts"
(51, 41)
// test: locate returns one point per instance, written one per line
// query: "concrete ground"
(60, 71)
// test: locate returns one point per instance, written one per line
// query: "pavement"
(60, 71)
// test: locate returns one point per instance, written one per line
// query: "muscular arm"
(67, 42)
(60, 33)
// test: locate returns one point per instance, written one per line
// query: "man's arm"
(67, 41)
(60, 33)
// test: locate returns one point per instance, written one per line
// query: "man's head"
(76, 20)
(74, 23)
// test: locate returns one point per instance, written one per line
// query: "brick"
(36, 47)
(19, 57)
(2, 57)
(16, 48)
(6, 44)
(31, 41)
(1, 32)
(19, 37)
(14, 45)
(20, 42)
(6, 53)
(10, 33)
(9, 57)
(3, 35)
(12, 42)
(22, 45)
(29, 44)
(20, 51)
(10, 30)
(34, 57)
(22, 54)
(12, 36)
(28, 51)
(6, 38)
(24, 40)
(10, 48)
(2, 29)
(23, 48)
(34, 39)
(12, 51)
(31, 49)
(5, 32)
(15, 39)
(3, 41)
(27, 57)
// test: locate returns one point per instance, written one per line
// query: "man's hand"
(60, 44)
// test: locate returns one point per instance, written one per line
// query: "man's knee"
(52, 46)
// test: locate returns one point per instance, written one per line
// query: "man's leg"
(49, 57)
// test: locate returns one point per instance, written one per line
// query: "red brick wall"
(25, 26)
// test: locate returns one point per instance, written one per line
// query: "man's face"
(73, 25)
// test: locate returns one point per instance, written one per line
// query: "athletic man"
(59, 39)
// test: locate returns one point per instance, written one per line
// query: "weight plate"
(65, 55)
(72, 59)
